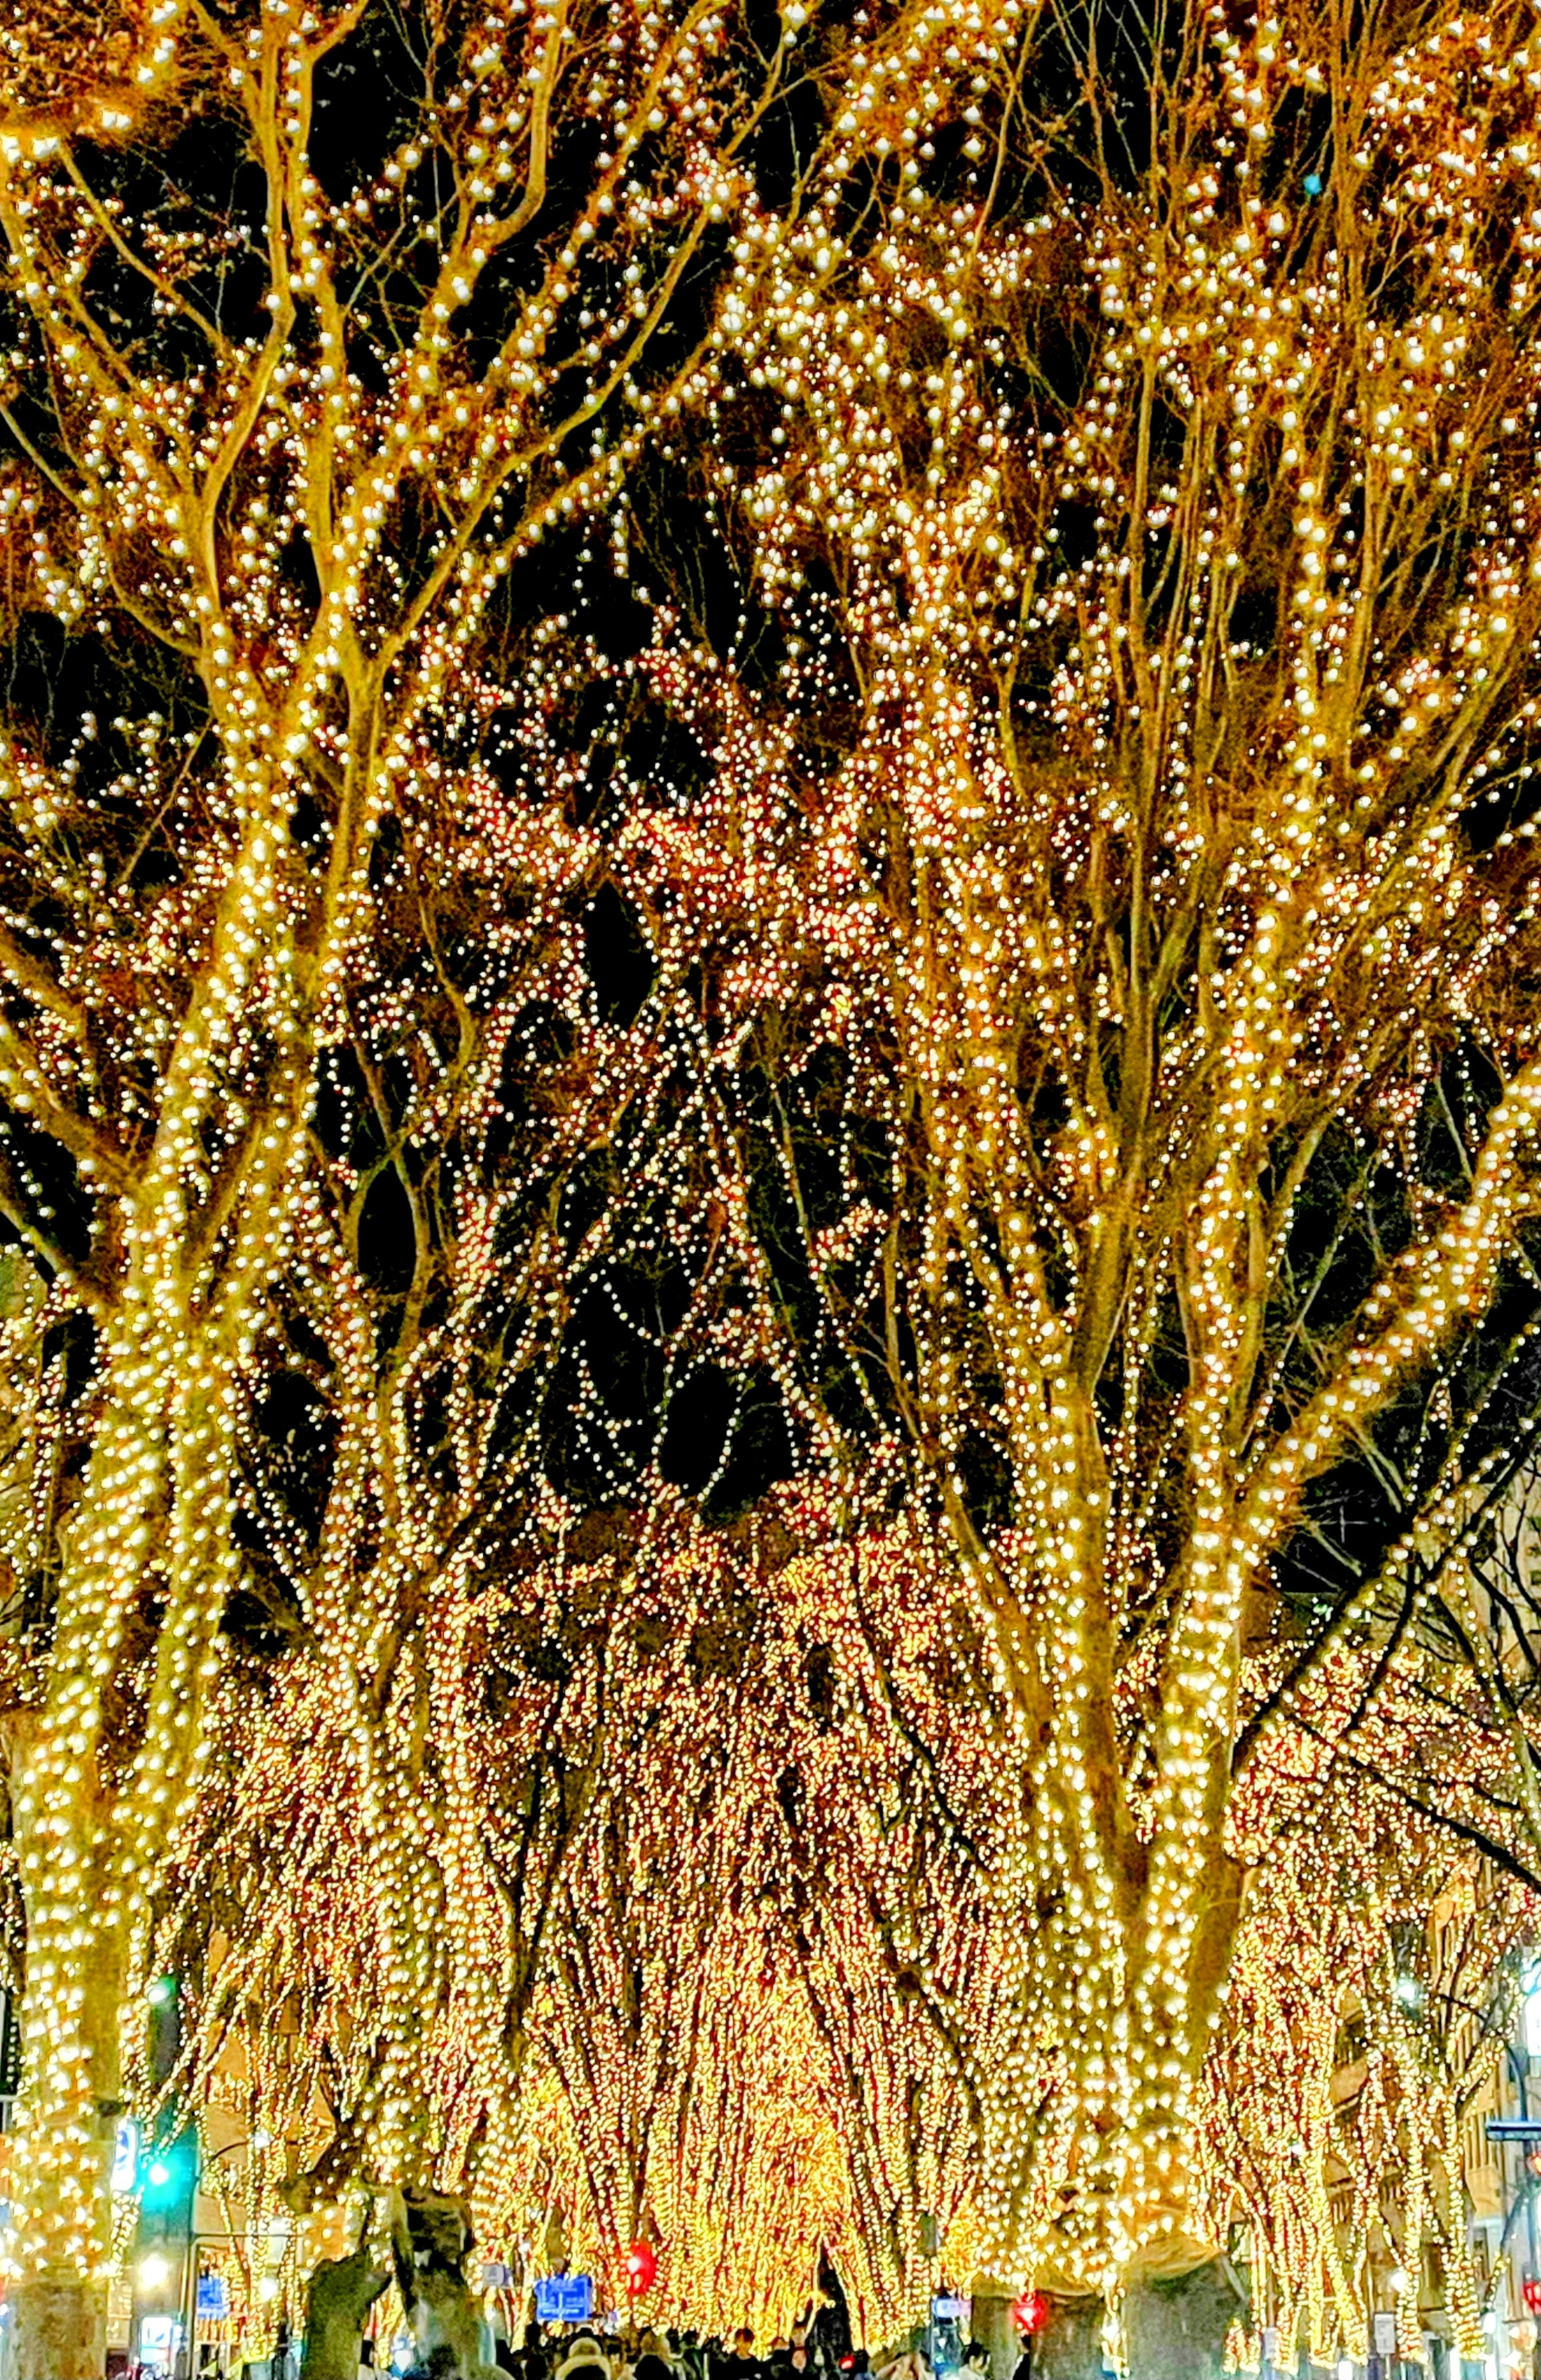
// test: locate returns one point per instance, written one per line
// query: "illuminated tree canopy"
(768, 1107)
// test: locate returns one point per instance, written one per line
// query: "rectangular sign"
(213, 2298)
(566, 2296)
(950, 2308)
(1386, 2334)
(160, 2338)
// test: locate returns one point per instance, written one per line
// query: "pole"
(189, 2303)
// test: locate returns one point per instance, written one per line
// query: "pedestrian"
(585, 2360)
(830, 2329)
(741, 2362)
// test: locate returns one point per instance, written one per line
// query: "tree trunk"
(1069, 2347)
(1176, 2329)
(86, 1853)
(60, 2330)
(431, 2238)
(338, 2296)
(71, 2084)
(156, 1495)
(992, 2324)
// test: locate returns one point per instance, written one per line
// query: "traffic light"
(169, 2168)
(1029, 2314)
(168, 2183)
(641, 2269)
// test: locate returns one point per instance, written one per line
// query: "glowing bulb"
(154, 2273)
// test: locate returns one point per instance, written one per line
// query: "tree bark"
(992, 2324)
(1176, 2329)
(338, 2296)
(1069, 2347)
(60, 2330)
(431, 2239)
(71, 2094)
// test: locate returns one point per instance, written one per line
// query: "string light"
(1098, 874)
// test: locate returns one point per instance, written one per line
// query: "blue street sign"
(566, 2296)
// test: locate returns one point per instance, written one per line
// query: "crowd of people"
(586, 2354)
(820, 2346)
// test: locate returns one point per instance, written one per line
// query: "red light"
(641, 2269)
(1030, 2312)
(1531, 2292)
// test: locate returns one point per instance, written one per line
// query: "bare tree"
(1075, 757)
(1373, 1996)
(1133, 1086)
(316, 322)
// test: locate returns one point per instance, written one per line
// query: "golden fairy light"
(1060, 894)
